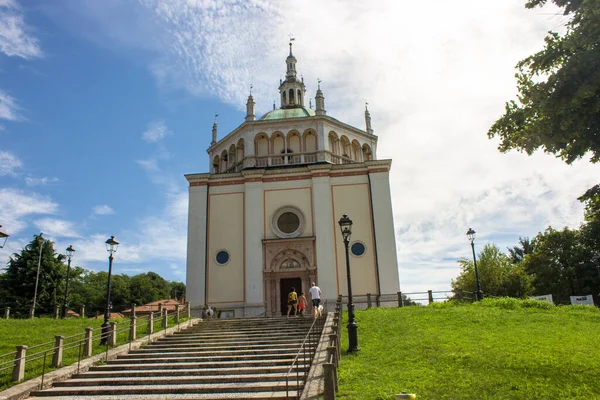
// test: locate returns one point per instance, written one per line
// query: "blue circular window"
(358, 249)
(222, 257)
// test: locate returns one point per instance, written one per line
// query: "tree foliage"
(558, 104)
(562, 265)
(497, 274)
(17, 284)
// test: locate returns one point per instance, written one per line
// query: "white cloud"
(156, 131)
(9, 163)
(15, 205)
(103, 210)
(56, 228)
(9, 109)
(29, 181)
(16, 38)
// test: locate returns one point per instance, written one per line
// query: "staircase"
(216, 359)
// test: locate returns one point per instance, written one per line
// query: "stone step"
(103, 373)
(194, 365)
(211, 352)
(241, 387)
(132, 359)
(254, 333)
(233, 346)
(223, 342)
(208, 396)
(173, 380)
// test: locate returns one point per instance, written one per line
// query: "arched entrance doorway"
(288, 262)
(285, 287)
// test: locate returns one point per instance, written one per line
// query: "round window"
(222, 257)
(358, 249)
(288, 222)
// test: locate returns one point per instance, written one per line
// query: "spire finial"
(319, 84)
(366, 105)
(216, 116)
(251, 86)
(292, 38)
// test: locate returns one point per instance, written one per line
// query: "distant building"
(153, 306)
(265, 218)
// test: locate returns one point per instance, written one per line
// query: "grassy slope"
(497, 349)
(28, 332)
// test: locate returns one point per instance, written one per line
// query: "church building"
(265, 218)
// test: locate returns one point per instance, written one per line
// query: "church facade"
(265, 218)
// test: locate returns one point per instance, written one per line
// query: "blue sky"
(105, 105)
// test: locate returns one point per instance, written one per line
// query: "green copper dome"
(299, 112)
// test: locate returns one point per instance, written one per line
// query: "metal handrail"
(302, 351)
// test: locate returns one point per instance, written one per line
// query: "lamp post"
(3, 237)
(346, 228)
(471, 237)
(111, 247)
(40, 239)
(70, 252)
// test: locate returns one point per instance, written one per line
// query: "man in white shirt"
(315, 295)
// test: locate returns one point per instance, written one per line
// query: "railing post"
(333, 340)
(160, 309)
(378, 300)
(165, 319)
(430, 295)
(332, 355)
(82, 313)
(400, 302)
(19, 369)
(56, 311)
(58, 351)
(188, 307)
(150, 323)
(177, 314)
(132, 310)
(31, 312)
(112, 336)
(133, 329)
(330, 384)
(6, 312)
(87, 347)
(459, 294)
(369, 303)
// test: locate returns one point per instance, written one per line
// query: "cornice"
(308, 171)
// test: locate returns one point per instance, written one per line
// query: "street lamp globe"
(112, 245)
(345, 227)
(3, 237)
(471, 235)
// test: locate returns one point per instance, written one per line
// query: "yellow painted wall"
(354, 200)
(226, 232)
(296, 197)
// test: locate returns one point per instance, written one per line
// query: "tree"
(562, 265)
(497, 274)
(177, 290)
(559, 90)
(17, 285)
(517, 253)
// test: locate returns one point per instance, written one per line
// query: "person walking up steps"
(301, 304)
(292, 301)
(315, 295)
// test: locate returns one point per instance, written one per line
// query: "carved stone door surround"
(287, 258)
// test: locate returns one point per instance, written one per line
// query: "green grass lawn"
(495, 349)
(29, 332)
